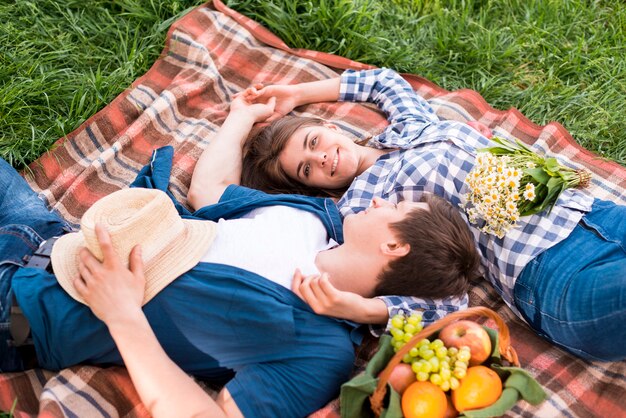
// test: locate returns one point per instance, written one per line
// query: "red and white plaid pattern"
(210, 54)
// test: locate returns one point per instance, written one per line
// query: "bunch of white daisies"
(510, 180)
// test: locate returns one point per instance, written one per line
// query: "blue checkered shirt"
(435, 156)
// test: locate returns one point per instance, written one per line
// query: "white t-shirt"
(272, 242)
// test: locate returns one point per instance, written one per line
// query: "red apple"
(451, 411)
(401, 377)
(471, 334)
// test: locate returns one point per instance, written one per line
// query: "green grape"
(436, 344)
(435, 379)
(424, 343)
(453, 351)
(422, 377)
(445, 374)
(398, 334)
(445, 385)
(414, 319)
(427, 354)
(441, 352)
(454, 383)
(425, 366)
(407, 358)
(414, 352)
(461, 364)
(459, 373)
(416, 367)
(397, 321)
(407, 337)
(434, 361)
(463, 356)
(444, 364)
(409, 328)
(398, 344)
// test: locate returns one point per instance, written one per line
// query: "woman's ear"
(395, 249)
(331, 126)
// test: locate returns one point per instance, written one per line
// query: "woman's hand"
(325, 299)
(286, 98)
(247, 103)
(112, 291)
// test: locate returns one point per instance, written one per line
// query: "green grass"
(62, 61)
(554, 60)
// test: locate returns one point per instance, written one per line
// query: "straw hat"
(170, 245)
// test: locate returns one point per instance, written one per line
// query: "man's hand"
(325, 299)
(112, 291)
(248, 103)
(286, 97)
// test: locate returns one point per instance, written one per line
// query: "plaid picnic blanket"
(210, 54)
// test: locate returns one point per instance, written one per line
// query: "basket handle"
(506, 350)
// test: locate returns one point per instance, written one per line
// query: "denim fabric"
(24, 223)
(213, 320)
(574, 294)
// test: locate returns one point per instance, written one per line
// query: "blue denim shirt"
(214, 319)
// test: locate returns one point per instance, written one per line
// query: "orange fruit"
(424, 400)
(480, 387)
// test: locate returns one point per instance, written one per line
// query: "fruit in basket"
(431, 361)
(401, 377)
(424, 400)
(470, 334)
(480, 388)
(451, 411)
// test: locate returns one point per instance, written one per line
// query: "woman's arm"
(290, 96)
(220, 163)
(114, 294)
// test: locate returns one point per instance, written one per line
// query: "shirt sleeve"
(431, 309)
(407, 112)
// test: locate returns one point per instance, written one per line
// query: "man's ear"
(395, 249)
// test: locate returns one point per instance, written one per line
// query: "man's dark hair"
(443, 256)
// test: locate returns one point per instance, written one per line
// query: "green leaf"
(555, 187)
(495, 343)
(530, 390)
(552, 165)
(538, 174)
(524, 146)
(498, 150)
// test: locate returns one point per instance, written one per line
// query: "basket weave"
(506, 350)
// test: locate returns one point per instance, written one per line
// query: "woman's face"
(320, 156)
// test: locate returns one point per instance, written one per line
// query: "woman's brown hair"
(261, 168)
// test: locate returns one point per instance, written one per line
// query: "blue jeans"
(574, 294)
(25, 222)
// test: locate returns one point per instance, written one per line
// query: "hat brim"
(159, 271)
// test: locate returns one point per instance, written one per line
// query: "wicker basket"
(506, 350)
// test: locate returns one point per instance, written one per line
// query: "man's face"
(372, 225)
(368, 234)
(320, 156)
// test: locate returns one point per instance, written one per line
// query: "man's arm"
(325, 299)
(114, 294)
(220, 163)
